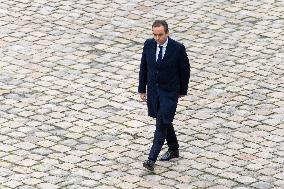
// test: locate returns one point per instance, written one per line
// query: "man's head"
(160, 31)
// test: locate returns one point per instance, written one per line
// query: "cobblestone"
(70, 115)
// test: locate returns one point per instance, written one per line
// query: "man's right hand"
(143, 96)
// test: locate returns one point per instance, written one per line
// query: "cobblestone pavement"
(71, 118)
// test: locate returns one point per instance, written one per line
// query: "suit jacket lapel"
(169, 49)
(153, 51)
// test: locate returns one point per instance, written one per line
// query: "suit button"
(157, 84)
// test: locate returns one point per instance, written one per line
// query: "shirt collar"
(165, 44)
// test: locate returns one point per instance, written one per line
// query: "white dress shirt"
(164, 49)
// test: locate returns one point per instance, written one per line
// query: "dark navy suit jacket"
(164, 82)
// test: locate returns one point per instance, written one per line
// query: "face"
(160, 35)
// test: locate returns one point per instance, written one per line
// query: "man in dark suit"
(163, 78)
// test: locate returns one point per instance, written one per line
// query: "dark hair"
(158, 23)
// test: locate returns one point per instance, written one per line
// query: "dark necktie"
(160, 55)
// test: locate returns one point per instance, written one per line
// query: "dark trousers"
(163, 132)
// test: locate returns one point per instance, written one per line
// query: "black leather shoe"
(169, 155)
(149, 164)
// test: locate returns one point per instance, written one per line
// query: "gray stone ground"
(71, 118)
